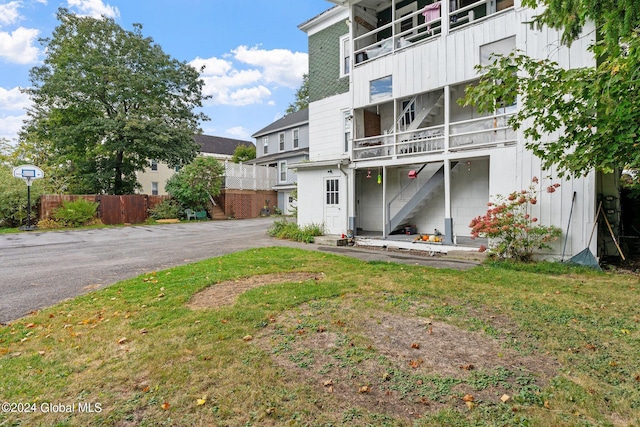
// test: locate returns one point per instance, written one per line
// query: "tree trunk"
(117, 183)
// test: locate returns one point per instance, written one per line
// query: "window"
(281, 141)
(347, 118)
(296, 138)
(345, 55)
(332, 192)
(154, 188)
(381, 88)
(265, 145)
(154, 165)
(282, 170)
(502, 47)
(409, 108)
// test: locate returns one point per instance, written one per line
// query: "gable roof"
(219, 145)
(290, 120)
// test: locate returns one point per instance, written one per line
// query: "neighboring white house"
(388, 143)
(154, 177)
(280, 144)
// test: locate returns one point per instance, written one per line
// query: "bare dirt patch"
(402, 364)
(225, 293)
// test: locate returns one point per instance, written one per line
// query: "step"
(330, 240)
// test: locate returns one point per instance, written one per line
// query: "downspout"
(346, 190)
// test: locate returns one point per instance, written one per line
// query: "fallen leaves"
(123, 340)
(165, 405)
(415, 363)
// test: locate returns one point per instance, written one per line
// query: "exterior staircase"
(427, 108)
(418, 201)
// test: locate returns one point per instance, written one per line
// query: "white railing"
(374, 44)
(238, 176)
(493, 130)
(489, 131)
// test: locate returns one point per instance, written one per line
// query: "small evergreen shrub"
(167, 209)
(74, 213)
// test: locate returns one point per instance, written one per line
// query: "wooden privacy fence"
(243, 204)
(125, 209)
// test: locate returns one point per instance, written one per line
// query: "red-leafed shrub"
(512, 231)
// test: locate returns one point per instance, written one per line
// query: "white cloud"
(18, 46)
(94, 8)
(239, 132)
(9, 13)
(13, 99)
(212, 66)
(279, 66)
(228, 81)
(10, 126)
(249, 96)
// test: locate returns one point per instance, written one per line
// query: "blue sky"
(253, 51)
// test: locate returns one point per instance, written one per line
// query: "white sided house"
(389, 146)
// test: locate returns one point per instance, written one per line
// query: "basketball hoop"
(28, 173)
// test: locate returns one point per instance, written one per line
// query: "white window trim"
(344, 40)
(282, 167)
(347, 118)
(295, 141)
(265, 145)
(282, 141)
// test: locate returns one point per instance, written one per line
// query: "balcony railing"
(463, 135)
(389, 38)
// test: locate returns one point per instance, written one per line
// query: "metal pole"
(28, 205)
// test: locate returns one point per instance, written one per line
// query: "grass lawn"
(281, 336)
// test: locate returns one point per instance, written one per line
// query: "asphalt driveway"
(39, 269)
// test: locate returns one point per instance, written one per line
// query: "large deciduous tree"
(595, 111)
(108, 100)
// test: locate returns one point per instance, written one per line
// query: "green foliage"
(243, 153)
(284, 229)
(302, 97)
(74, 213)
(13, 198)
(108, 100)
(594, 109)
(513, 232)
(166, 209)
(197, 183)
(615, 19)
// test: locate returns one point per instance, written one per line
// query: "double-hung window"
(282, 171)
(296, 138)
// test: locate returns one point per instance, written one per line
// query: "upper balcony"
(389, 26)
(407, 128)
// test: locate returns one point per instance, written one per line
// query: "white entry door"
(332, 213)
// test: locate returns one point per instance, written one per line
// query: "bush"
(75, 213)
(512, 231)
(283, 229)
(167, 209)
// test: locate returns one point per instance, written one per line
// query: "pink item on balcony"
(431, 12)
